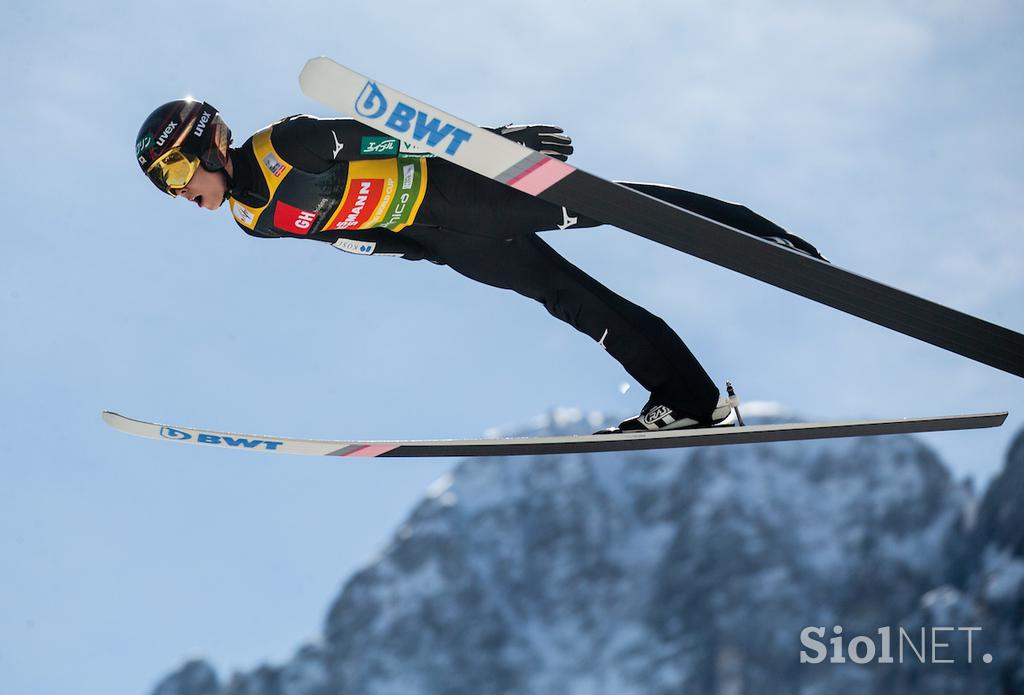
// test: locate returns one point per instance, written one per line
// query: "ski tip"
(307, 70)
(314, 71)
(315, 61)
(117, 420)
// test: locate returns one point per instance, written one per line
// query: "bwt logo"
(218, 439)
(371, 103)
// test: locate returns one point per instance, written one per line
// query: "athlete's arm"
(315, 144)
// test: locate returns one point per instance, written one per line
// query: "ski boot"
(655, 417)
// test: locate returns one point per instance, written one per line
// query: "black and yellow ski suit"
(342, 183)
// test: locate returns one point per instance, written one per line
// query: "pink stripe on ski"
(372, 450)
(541, 176)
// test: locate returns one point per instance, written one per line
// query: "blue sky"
(890, 136)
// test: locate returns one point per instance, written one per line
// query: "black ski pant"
(488, 232)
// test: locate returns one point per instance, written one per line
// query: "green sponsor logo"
(410, 181)
(411, 149)
(379, 145)
(145, 142)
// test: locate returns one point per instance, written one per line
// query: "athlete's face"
(206, 189)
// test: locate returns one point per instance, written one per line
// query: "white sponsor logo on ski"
(338, 146)
(403, 118)
(219, 439)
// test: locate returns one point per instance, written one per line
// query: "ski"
(491, 155)
(579, 444)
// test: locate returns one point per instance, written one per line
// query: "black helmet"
(178, 138)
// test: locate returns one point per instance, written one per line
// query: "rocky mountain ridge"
(673, 571)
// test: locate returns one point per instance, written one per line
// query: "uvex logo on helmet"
(167, 132)
(193, 127)
(201, 126)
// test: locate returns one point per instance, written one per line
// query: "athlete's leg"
(460, 199)
(732, 214)
(456, 197)
(645, 345)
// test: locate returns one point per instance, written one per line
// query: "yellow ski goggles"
(172, 171)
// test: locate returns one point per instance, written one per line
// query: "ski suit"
(342, 183)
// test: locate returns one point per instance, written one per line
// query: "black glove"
(546, 139)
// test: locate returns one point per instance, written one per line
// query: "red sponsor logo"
(293, 219)
(362, 199)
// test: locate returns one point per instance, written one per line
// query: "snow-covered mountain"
(672, 572)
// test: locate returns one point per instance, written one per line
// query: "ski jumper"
(342, 183)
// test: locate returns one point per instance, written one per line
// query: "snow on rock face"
(653, 572)
(193, 678)
(1001, 515)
